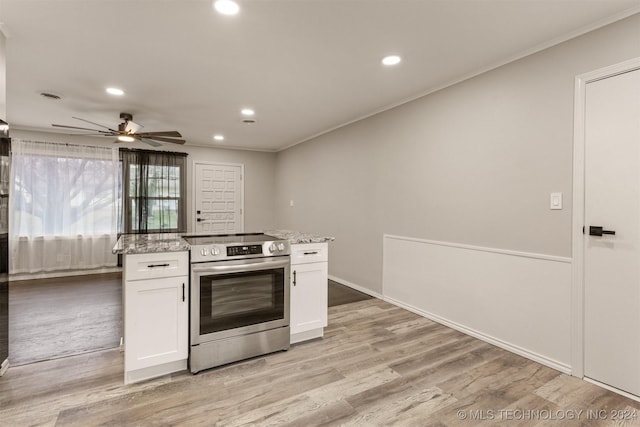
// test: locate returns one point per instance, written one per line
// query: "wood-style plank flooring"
(378, 365)
(65, 316)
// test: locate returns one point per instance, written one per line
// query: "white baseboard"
(356, 287)
(66, 273)
(564, 368)
(519, 301)
(613, 389)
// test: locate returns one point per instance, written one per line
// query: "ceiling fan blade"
(151, 142)
(160, 138)
(132, 127)
(76, 127)
(88, 134)
(96, 124)
(172, 133)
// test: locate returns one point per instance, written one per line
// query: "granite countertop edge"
(297, 237)
(173, 242)
(150, 243)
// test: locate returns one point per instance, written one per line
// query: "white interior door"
(218, 206)
(612, 261)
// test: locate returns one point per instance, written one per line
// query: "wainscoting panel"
(518, 301)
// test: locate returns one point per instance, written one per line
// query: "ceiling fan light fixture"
(125, 138)
(226, 7)
(114, 91)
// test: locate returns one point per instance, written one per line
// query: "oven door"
(231, 298)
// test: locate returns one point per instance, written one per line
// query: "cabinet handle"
(311, 253)
(157, 265)
(294, 277)
(183, 292)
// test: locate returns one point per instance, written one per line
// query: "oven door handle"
(246, 266)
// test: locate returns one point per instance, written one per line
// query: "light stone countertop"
(149, 243)
(296, 237)
(173, 242)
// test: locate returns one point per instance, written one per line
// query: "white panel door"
(218, 198)
(612, 261)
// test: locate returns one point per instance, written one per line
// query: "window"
(154, 186)
(63, 206)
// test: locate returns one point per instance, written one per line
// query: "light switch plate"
(555, 201)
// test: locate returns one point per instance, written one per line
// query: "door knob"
(598, 231)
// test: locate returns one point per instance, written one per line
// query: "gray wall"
(259, 167)
(473, 163)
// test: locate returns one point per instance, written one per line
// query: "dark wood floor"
(51, 318)
(340, 294)
(377, 365)
(59, 317)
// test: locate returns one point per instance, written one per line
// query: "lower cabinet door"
(308, 297)
(156, 321)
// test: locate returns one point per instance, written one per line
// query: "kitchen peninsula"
(156, 289)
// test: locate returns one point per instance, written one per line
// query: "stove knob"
(204, 252)
(273, 248)
(215, 251)
(281, 246)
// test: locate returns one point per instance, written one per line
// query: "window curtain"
(63, 207)
(153, 191)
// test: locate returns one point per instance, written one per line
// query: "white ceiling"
(305, 66)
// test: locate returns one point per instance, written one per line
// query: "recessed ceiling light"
(218, 137)
(247, 112)
(125, 138)
(115, 91)
(391, 60)
(226, 7)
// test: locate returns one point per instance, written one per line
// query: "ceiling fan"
(129, 131)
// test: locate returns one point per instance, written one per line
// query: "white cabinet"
(309, 274)
(156, 314)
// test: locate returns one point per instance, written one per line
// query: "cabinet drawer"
(155, 265)
(309, 252)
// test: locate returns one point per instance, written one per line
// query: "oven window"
(234, 300)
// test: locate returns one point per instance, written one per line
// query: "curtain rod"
(60, 143)
(142, 150)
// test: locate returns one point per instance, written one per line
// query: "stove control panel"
(221, 252)
(244, 250)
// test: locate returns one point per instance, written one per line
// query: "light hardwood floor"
(65, 316)
(378, 365)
